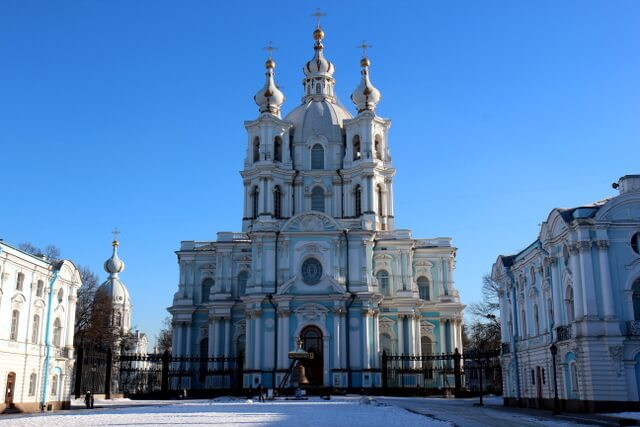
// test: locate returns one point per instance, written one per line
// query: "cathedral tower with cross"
(319, 257)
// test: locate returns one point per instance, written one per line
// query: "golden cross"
(115, 233)
(270, 48)
(364, 48)
(318, 15)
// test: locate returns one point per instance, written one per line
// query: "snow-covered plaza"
(352, 411)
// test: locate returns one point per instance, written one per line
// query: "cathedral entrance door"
(11, 384)
(312, 342)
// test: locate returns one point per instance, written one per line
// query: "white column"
(337, 338)
(248, 341)
(187, 352)
(401, 349)
(366, 331)
(605, 280)
(376, 339)
(214, 337)
(588, 285)
(176, 340)
(443, 344)
(70, 324)
(578, 302)
(257, 352)
(343, 340)
(228, 337)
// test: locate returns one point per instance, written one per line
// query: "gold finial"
(115, 234)
(318, 15)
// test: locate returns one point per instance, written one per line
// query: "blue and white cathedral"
(319, 257)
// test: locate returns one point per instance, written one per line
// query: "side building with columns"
(319, 256)
(37, 314)
(576, 291)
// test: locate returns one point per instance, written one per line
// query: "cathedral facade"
(319, 258)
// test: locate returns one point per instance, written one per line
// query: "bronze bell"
(299, 376)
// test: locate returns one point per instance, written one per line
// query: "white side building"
(577, 287)
(37, 315)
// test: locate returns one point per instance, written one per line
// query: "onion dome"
(319, 65)
(114, 265)
(366, 96)
(269, 98)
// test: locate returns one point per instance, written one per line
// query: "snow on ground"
(628, 415)
(229, 412)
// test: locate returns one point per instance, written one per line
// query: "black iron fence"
(438, 373)
(105, 372)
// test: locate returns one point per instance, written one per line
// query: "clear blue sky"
(130, 114)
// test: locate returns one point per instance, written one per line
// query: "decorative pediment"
(311, 221)
(311, 313)
(426, 329)
(284, 288)
(385, 326)
(208, 267)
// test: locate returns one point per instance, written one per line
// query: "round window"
(311, 271)
(635, 243)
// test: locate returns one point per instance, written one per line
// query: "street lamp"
(556, 407)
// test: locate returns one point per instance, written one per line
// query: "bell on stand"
(299, 376)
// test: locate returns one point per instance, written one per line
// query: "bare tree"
(51, 252)
(484, 332)
(163, 339)
(84, 304)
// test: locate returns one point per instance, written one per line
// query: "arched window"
(378, 147)
(532, 273)
(550, 310)
(60, 296)
(424, 288)
(536, 319)
(207, 284)
(317, 88)
(317, 157)
(426, 345)
(19, 282)
(40, 288)
(256, 149)
(254, 202)
(117, 319)
(57, 332)
(569, 303)
(15, 322)
(358, 200)
(523, 319)
(32, 384)
(240, 345)
(277, 202)
(35, 328)
(635, 243)
(243, 278)
(317, 199)
(383, 282)
(54, 385)
(277, 149)
(356, 147)
(636, 299)
(380, 200)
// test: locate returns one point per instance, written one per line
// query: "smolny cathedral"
(319, 257)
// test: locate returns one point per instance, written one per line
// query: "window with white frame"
(424, 289)
(317, 157)
(35, 328)
(356, 147)
(243, 278)
(15, 323)
(277, 149)
(207, 284)
(277, 202)
(54, 385)
(57, 332)
(40, 288)
(33, 378)
(358, 200)
(256, 149)
(636, 299)
(19, 282)
(383, 282)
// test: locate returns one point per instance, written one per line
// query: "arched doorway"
(11, 385)
(312, 342)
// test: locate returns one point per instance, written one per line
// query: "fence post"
(107, 380)
(384, 369)
(79, 366)
(457, 371)
(164, 385)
